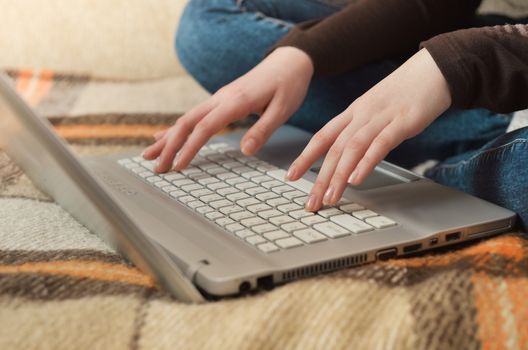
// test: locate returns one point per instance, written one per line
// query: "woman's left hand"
(399, 107)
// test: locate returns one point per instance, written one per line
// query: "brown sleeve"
(485, 67)
(369, 30)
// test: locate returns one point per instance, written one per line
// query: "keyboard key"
(289, 207)
(351, 223)
(293, 194)
(301, 184)
(309, 236)
(204, 209)
(261, 179)
(138, 159)
(312, 220)
(244, 233)
(169, 189)
(264, 228)
(326, 213)
(217, 170)
(256, 190)
(274, 235)
(380, 222)
(254, 240)
(176, 194)
(287, 243)
(224, 221)
(266, 195)
(299, 214)
(190, 170)
(331, 230)
(214, 215)
(248, 201)
(247, 159)
(161, 184)
(277, 201)
(172, 176)
(195, 204)
(207, 166)
(268, 247)
(154, 179)
(241, 170)
(350, 208)
(237, 196)
(266, 214)
(251, 174)
(234, 227)
(245, 185)
(293, 226)
(125, 161)
(226, 190)
(279, 220)
(363, 214)
(249, 222)
(183, 182)
(266, 167)
(282, 189)
(241, 215)
(225, 176)
(230, 209)
(207, 181)
(258, 207)
(232, 164)
(211, 198)
(236, 180)
(186, 199)
(201, 192)
(217, 185)
(198, 176)
(220, 203)
(192, 187)
(272, 183)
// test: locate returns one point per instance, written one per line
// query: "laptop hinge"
(191, 271)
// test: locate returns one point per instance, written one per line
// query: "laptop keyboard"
(250, 199)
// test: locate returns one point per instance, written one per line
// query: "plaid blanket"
(62, 288)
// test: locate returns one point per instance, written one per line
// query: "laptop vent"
(324, 267)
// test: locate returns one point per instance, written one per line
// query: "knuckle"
(354, 144)
(334, 152)
(384, 142)
(321, 137)
(340, 176)
(181, 123)
(259, 131)
(204, 128)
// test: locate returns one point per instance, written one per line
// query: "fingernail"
(352, 177)
(329, 195)
(176, 160)
(291, 173)
(143, 154)
(250, 146)
(157, 165)
(310, 204)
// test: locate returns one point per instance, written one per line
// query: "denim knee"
(199, 46)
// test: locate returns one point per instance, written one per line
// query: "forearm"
(484, 67)
(370, 30)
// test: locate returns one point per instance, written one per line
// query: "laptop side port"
(454, 236)
(387, 254)
(265, 282)
(433, 241)
(412, 248)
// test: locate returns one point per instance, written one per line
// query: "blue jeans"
(220, 40)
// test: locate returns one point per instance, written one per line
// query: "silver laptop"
(229, 224)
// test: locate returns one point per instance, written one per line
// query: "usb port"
(412, 248)
(453, 236)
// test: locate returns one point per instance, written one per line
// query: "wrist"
(296, 58)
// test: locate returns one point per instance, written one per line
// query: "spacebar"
(301, 184)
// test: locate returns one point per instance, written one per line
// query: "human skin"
(397, 108)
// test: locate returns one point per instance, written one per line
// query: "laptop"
(230, 224)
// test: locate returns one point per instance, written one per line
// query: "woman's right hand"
(275, 89)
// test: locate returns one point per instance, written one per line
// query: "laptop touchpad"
(379, 178)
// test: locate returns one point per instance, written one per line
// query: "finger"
(273, 117)
(317, 147)
(212, 123)
(387, 140)
(180, 132)
(153, 151)
(158, 135)
(354, 150)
